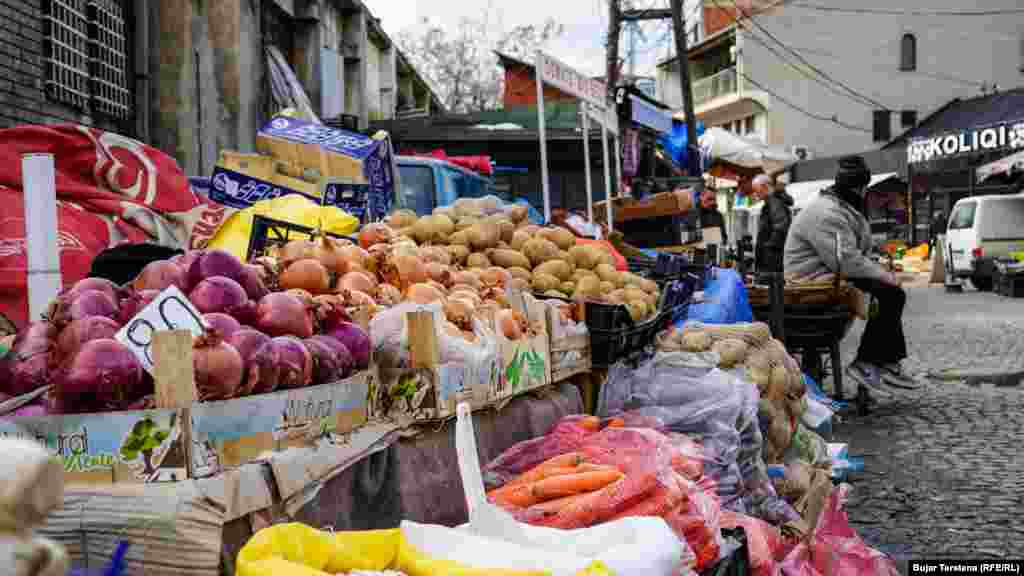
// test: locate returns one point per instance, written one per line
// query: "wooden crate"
(570, 355)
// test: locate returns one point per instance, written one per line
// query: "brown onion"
(404, 271)
(375, 233)
(360, 281)
(424, 294)
(328, 253)
(388, 295)
(307, 274)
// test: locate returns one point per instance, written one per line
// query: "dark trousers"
(883, 342)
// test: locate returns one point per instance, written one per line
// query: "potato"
(635, 294)
(609, 274)
(555, 294)
(466, 223)
(560, 236)
(586, 256)
(588, 288)
(507, 230)
(543, 282)
(539, 250)
(433, 229)
(632, 280)
(508, 258)
(730, 352)
(406, 232)
(467, 207)
(518, 272)
(401, 219)
(652, 301)
(607, 287)
(483, 236)
(568, 287)
(519, 237)
(458, 252)
(556, 268)
(696, 341)
(580, 273)
(520, 284)
(649, 286)
(517, 213)
(616, 297)
(637, 310)
(477, 260)
(445, 211)
(460, 238)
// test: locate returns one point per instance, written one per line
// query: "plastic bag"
(836, 550)
(764, 542)
(565, 436)
(630, 546)
(233, 235)
(725, 300)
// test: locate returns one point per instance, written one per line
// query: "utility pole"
(679, 31)
(614, 30)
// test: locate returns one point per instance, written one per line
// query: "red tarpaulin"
(110, 190)
(478, 164)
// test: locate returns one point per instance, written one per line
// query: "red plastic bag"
(699, 522)
(836, 550)
(565, 436)
(764, 542)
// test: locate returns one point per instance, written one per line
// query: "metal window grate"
(67, 49)
(109, 58)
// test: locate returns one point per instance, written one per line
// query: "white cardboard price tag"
(171, 310)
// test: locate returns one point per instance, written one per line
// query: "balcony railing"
(713, 86)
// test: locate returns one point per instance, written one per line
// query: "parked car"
(427, 183)
(982, 229)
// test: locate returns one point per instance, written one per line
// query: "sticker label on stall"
(171, 310)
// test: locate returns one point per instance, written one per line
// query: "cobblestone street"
(943, 474)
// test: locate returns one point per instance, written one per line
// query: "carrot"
(518, 496)
(499, 493)
(570, 460)
(588, 467)
(616, 423)
(568, 485)
(557, 505)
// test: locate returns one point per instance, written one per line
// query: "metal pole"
(539, 67)
(679, 31)
(607, 175)
(618, 164)
(40, 211)
(586, 159)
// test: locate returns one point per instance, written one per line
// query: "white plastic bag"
(630, 546)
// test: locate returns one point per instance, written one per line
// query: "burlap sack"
(31, 485)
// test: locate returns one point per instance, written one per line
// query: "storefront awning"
(649, 115)
(1007, 165)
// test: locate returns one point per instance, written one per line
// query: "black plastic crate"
(610, 346)
(267, 232)
(1009, 284)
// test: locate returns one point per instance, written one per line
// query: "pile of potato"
(480, 234)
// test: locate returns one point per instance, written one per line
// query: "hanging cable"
(798, 108)
(897, 12)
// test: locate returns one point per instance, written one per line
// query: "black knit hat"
(853, 173)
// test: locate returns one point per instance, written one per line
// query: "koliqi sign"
(1008, 135)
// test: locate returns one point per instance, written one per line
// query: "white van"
(981, 229)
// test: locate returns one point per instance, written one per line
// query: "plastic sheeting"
(675, 143)
(725, 300)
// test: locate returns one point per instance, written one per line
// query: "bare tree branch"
(460, 63)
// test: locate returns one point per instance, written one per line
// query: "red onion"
(261, 361)
(212, 263)
(144, 403)
(222, 323)
(83, 330)
(296, 362)
(217, 294)
(134, 302)
(34, 409)
(160, 275)
(104, 375)
(331, 359)
(184, 261)
(84, 304)
(218, 368)
(252, 281)
(283, 314)
(31, 359)
(101, 284)
(355, 339)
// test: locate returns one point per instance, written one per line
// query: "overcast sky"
(585, 21)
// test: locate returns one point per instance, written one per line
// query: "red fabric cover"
(478, 164)
(620, 261)
(110, 190)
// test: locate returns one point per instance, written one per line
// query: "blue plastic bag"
(725, 300)
(533, 215)
(675, 143)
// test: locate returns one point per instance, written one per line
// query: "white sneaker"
(893, 375)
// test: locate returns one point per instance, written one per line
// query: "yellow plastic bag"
(233, 235)
(298, 550)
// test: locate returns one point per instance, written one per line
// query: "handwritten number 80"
(140, 332)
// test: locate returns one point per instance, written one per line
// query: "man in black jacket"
(773, 224)
(710, 217)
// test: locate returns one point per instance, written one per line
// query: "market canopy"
(741, 156)
(1003, 166)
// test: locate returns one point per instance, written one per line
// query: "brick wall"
(521, 88)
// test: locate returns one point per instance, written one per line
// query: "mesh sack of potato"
(731, 352)
(778, 431)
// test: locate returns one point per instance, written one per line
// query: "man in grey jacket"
(811, 251)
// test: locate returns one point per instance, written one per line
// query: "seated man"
(811, 251)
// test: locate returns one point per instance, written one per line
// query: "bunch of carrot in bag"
(586, 472)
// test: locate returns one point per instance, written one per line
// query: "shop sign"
(570, 81)
(1008, 135)
(650, 116)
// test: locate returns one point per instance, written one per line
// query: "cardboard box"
(570, 354)
(131, 447)
(658, 205)
(524, 364)
(233, 432)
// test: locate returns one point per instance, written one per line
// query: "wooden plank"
(424, 348)
(174, 378)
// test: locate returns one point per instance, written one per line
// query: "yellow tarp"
(299, 550)
(233, 235)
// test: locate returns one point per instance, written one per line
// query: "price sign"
(171, 310)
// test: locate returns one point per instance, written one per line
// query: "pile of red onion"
(257, 341)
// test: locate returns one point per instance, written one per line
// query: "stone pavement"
(943, 472)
